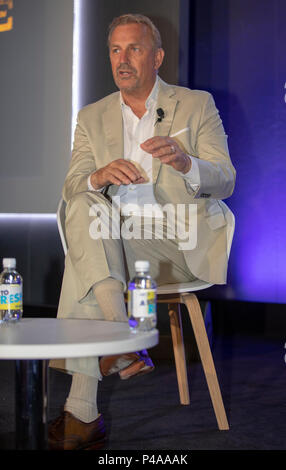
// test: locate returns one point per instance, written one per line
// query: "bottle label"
(142, 302)
(10, 296)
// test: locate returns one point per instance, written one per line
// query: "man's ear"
(159, 56)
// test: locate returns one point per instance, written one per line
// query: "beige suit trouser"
(92, 258)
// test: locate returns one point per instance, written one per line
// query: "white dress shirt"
(133, 197)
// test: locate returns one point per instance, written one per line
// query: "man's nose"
(124, 57)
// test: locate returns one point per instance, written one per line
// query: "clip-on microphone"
(161, 115)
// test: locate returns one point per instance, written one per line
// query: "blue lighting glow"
(247, 78)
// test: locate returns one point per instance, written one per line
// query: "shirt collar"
(152, 98)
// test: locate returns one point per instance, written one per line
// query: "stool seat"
(183, 287)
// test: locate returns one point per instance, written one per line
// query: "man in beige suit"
(137, 153)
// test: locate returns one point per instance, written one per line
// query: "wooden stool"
(174, 295)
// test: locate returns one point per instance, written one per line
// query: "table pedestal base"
(31, 400)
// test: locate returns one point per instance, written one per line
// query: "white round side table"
(31, 342)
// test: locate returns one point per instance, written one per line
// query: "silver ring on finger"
(173, 149)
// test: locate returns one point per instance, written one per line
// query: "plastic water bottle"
(142, 299)
(11, 292)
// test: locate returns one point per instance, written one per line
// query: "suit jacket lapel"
(113, 126)
(168, 103)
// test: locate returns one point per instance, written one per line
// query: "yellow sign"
(6, 18)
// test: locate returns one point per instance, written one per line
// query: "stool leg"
(193, 306)
(179, 352)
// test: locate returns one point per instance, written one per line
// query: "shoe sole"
(110, 365)
(135, 369)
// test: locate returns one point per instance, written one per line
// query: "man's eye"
(115, 51)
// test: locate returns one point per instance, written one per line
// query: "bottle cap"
(142, 265)
(9, 262)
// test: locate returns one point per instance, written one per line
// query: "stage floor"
(144, 413)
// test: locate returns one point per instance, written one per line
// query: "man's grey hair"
(136, 18)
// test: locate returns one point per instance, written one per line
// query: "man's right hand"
(117, 172)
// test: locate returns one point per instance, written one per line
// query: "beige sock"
(110, 297)
(82, 398)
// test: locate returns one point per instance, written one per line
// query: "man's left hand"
(168, 152)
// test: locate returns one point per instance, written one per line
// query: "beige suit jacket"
(192, 118)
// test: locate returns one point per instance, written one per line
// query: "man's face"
(134, 61)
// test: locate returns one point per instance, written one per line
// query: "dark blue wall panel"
(237, 52)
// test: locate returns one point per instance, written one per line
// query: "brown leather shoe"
(128, 365)
(69, 433)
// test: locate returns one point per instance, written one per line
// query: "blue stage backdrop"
(238, 54)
